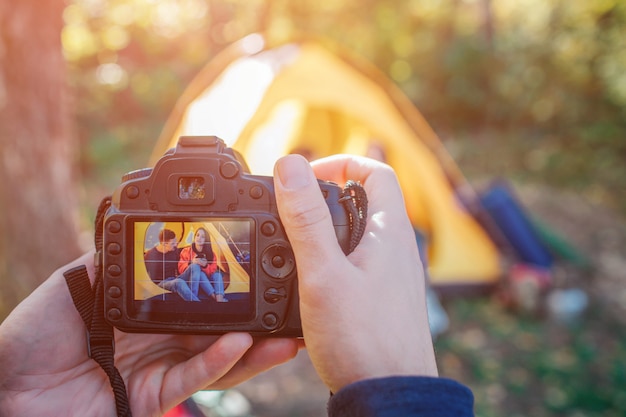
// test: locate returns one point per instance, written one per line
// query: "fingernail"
(293, 172)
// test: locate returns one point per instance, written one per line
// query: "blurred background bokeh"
(533, 91)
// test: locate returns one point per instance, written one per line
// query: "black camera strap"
(89, 300)
(354, 200)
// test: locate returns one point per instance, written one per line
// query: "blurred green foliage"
(543, 82)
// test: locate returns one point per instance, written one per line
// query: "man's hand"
(363, 316)
(44, 368)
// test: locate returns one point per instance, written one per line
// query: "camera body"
(157, 214)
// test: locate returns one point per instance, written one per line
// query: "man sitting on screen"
(162, 266)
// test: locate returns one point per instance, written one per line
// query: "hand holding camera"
(363, 315)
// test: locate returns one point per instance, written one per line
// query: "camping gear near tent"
(301, 97)
(501, 203)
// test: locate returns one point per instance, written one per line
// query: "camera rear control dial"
(278, 261)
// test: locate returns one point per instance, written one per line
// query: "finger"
(202, 370)
(304, 212)
(378, 179)
(386, 207)
(263, 355)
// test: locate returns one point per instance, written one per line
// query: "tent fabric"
(302, 97)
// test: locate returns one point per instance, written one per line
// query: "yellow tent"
(301, 97)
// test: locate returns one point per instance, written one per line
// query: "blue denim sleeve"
(403, 396)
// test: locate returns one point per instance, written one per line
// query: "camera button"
(270, 321)
(256, 192)
(114, 248)
(268, 228)
(132, 192)
(278, 261)
(274, 295)
(114, 270)
(114, 314)
(114, 226)
(115, 292)
(229, 170)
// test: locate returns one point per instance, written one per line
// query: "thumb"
(304, 212)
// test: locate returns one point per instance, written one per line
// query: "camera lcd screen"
(192, 270)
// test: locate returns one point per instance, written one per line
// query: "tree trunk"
(38, 202)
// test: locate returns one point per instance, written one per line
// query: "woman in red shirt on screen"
(201, 253)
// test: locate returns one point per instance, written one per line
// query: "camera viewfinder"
(191, 188)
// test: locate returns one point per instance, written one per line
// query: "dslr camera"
(200, 202)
